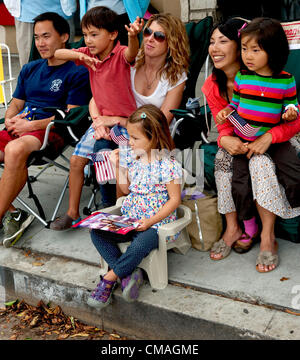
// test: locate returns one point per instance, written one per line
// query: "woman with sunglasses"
(159, 75)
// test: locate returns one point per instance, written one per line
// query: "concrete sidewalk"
(205, 299)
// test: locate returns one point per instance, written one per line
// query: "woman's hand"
(233, 145)
(260, 145)
(144, 224)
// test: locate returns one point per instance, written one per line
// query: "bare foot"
(268, 243)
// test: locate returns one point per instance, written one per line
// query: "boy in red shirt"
(113, 102)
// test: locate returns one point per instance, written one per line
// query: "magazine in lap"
(114, 227)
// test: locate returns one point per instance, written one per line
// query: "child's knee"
(77, 163)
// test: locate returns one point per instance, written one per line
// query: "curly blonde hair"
(177, 60)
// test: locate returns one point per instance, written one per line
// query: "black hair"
(59, 23)
(230, 28)
(102, 18)
(270, 37)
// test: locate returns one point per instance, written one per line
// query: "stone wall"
(193, 10)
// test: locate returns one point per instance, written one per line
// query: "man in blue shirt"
(41, 83)
(24, 12)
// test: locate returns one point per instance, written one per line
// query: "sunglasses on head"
(158, 35)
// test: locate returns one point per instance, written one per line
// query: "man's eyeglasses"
(158, 35)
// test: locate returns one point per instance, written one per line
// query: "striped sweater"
(261, 100)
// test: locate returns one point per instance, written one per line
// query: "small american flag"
(242, 126)
(103, 167)
(119, 135)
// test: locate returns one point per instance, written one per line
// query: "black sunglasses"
(158, 35)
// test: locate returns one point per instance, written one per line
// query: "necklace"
(262, 90)
(149, 83)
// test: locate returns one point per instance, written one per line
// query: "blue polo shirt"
(41, 85)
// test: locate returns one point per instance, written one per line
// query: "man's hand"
(18, 125)
(89, 61)
(135, 28)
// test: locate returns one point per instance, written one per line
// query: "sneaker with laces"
(101, 296)
(14, 224)
(130, 285)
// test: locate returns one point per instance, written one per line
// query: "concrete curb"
(176, 313)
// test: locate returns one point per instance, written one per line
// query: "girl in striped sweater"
(264, 96)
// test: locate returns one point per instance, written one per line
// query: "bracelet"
(291, 106)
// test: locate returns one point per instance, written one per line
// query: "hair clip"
(243, 27)
(143, 115)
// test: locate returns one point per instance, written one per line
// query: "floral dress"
(148, 190)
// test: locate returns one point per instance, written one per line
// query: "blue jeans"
(124, 264)
(108, 191)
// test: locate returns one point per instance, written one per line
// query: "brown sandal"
(220, 247)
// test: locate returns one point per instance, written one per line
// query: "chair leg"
(156, 267)
(62, 194)
(36, 200)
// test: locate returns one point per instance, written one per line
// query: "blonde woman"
(158, 77)
(160, 72)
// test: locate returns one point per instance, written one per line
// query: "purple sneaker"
(101, 296)
(131, 284)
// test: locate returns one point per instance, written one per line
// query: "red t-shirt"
(110, 83)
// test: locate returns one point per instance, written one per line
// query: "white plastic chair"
(156, 264)
(5, 76)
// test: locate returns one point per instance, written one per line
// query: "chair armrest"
(69, 118)
(115, 210)
(177, 225)
(45, 142)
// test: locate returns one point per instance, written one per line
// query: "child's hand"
(221, 117)
(290, 115)
(89, 61)
(115, 157)
(135, 27)
(102, 132)
(144, 224)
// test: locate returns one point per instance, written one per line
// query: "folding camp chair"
(71, 126)
(189, 118)
(192, 121)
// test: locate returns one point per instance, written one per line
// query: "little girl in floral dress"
(151, 177)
